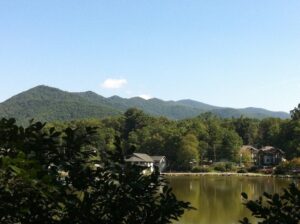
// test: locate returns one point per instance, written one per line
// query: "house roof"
(140, 157)
(249, 147)
(157, 158)
(271, 149)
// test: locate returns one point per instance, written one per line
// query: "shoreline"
(229, 174)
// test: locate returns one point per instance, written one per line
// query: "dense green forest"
(51, 104)
(206, 137)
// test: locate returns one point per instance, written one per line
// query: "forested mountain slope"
(50, 104)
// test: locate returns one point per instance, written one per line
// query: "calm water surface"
(217, 198)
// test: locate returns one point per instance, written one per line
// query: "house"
(149, 162)
(141, 159)
(160, 162)
(269, 156)
(265, 156)
(250, 152)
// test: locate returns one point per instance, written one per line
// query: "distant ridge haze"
(49, 104)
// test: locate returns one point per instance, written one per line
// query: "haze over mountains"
(51, 104)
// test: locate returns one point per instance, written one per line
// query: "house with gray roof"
(265, 156)
(269, 156)
(141, 159)
(149, 162)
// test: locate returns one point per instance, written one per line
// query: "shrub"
(295, 163)
(224, 166)
(200, 169)
(281, 169)
(220, 167)
(230, 166)
(268, 170)
(288, 166)
(253, 169)
(242, 171)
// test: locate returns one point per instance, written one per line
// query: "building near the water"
(269, 156)
(250, 150)
(265, 156)
(149, 162)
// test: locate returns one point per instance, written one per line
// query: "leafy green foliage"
(231, 145)
(201, 169)
(269, 131)
(275, 209)
(290, 138)
(295, 113)
(188, 152)
(247, 129)
(49, 176)
(288, 167)
(224, 167)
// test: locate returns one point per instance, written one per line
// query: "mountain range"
(51, 104)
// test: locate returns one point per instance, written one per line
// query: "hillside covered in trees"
(50, 104)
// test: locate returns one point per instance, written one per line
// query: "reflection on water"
(218, 198)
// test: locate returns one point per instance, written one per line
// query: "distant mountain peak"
(115, 97)
(45, 87)
(137, 98)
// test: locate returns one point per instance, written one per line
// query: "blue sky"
(228, 53)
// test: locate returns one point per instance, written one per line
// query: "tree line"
(203, 138)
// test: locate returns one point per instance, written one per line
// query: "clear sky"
(235, 53)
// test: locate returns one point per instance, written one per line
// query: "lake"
(218, 198)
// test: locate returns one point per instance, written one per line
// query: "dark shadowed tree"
(275, 209)
(295, 114)
(269, 132)
(134, 119)
(247, 129)
(55, 177)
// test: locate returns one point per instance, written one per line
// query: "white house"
(149, 162)
(141, 159)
